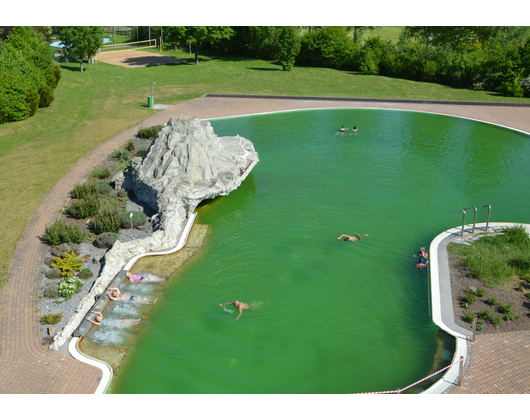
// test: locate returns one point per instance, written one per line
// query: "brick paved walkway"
(28, 367)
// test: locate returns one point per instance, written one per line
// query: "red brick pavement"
(497, 364)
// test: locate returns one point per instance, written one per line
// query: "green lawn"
(104, 100)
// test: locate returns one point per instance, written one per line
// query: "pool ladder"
(474, 218)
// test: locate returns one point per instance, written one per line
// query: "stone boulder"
(186, 163)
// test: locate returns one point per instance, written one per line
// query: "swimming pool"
(329, 316)
(59, 44)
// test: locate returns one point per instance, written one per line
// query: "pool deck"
(498, 363)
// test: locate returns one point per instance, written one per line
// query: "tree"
(196, 35)
(358, 31)
(81, 42)
(288, 45)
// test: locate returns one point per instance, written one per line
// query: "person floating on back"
(100, 320)
(117, 295)
(353, 238)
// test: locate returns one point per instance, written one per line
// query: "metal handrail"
(463, 221)
(474, 218)
(489, 212)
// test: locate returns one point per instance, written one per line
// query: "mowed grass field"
(104, 100)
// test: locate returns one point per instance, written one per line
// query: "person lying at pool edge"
(117, 295)
(100, 320)
(237, 304)
(353, 238)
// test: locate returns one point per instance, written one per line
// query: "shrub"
(470, 317)
(59, 250)
(520, 288)
(70, 286)
(492, 301)
(509, 317)
(106, 240)
(107, 221)
(526, 86)
(52, 291)
(497, 321)
(121, 155)
(511, 88)
(470, 297)
(527, 295)
(83, 191)
(138, 219)
(85, 273)
(506, 309)
(46, 96)
(51, 319)
(141, 152)
(480, 326)
(149, 133)
(68, 264)
(100, 173)
(480, 292)
(104, 189)
(89, 207)
(130, 146)
(328, 47)
(60, 233)
(485, 314)
(54, 273)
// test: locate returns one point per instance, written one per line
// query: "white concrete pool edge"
(451, 376)
(104, 367)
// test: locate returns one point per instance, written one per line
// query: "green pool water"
(329, 316)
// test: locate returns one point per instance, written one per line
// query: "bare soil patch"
(136, 58)
(505, 294)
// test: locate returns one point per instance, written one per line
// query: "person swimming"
(342, 129)
(354, 128)
(353, 238)
(237, 304)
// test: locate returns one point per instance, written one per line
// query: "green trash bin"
(150, 101)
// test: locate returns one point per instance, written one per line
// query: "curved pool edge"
(441, 300)
(107, 372)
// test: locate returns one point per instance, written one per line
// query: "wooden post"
(460, 371)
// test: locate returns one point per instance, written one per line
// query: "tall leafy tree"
(196, 35)
(288, 45)
(81, 42)
(358, 31)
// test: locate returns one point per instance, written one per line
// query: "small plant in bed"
(68, 264)
(85, 273)
(51, 319)
(107, 221)
(86, 208)
(149, 133)
(104, 189)
(100, 173)
(106, 240)
(70, 286)
(138, 219)
(59, 233)
(82, 191)
(130, 146)
(121, 155)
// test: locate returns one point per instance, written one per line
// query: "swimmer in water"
(237, 304)
(422, 253)
(349, 238)
(342, 129)
(117, 295)
(100, 320)
(354, 128)
(137, 278)
(421, 263)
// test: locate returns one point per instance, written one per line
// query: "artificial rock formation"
(187, 163)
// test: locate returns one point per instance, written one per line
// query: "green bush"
(46, 96)
(506, 309)
(121, 155)
(497, 321)
(53, 274)
(87, 208)
(104, 189)
(51, 319)
(68, 264)
(509, 317)
(330, 47)
(106, 240)
(51, 291)
(492, 301)
(470, 297)
(107, 221)
(60, 233)
(486, 314)
(83, 191)
(59, 250)
(470, 317)
(70, 286)
(85, 273)
(100, 173)
(480, 292)
(149, 133)
(130, 146)
(480, 326)
(141, 152)
(138, 219)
